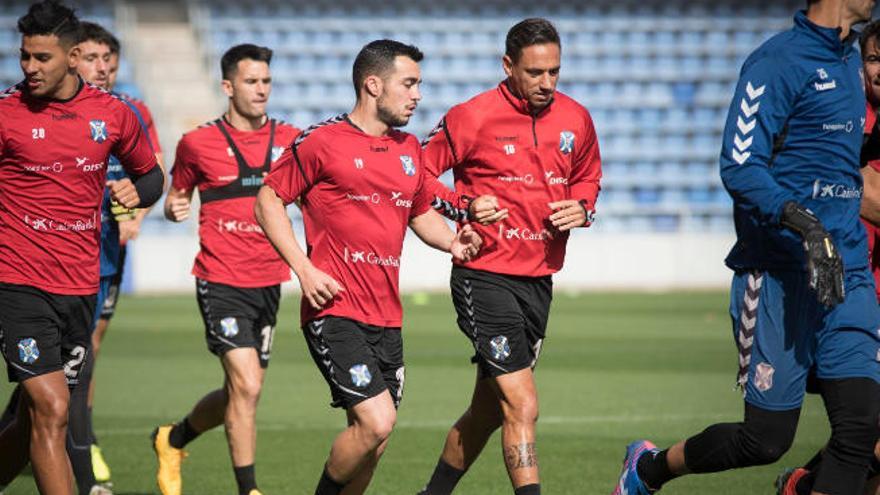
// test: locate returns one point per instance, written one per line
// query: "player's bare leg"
(361, 480)
(244, 380)
(469, 434)
(359, 444)
(48, 399)
(519, 407)
(210, 411)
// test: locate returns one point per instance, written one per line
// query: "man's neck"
(67, 89)
(831, 14)
(242, 123)
(364, 117)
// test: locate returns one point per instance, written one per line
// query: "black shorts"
(238, 317)
(108, 307)
(359, 361)
(42, 332)
(504, 316)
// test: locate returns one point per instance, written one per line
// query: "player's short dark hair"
(376, 58)
(870, 31)
(528, 32)
(96, 33)
(50, 17)
(247, 51)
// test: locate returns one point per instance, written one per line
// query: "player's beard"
(387, 116)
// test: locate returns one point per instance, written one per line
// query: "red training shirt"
(494, 145)
(358, 194)
(53, 163)
(872, 230)
(233, 248)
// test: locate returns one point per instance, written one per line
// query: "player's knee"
(379, 427)
(766, 439)
(247, 389)
(50, 412)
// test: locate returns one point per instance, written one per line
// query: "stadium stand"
(657, 77)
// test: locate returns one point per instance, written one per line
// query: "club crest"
(360, 375)
(98, 128)
(500, 348)
(566, 142)
(28, 352)
(277, 151)
(229, 327)
(409, 167)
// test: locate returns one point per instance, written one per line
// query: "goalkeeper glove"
(121, 213)
(824, 266)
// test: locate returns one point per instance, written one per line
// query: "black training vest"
(249, 179)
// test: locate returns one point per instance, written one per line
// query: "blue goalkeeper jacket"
(794, 132)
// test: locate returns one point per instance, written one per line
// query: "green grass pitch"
(615, 367)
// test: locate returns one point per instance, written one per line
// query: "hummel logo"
(746, 122)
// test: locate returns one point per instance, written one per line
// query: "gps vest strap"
(249, 179)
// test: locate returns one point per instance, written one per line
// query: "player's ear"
(73, 55)
(226, 84)
(373, 86)
(507, 64)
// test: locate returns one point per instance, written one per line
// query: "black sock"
(443, 480)
(804, 485)
(534, 489)
(653, 469)
(246, 479)
(328, 486)
(182, 433)
(78, 448)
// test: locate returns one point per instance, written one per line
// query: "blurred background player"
(99, 65)
(238, 273)
(801, 212)
(523, 127)
(351, 312)
(57, 137)
(800, 481)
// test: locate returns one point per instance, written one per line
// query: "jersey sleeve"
(423, 198)
(297, 170)
(444, 148)
(133, 148)
(764, 98)
(185, 173)
(586, 171)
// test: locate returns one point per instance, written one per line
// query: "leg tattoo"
(521, 456)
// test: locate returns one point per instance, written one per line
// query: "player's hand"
(824, 265)
(129, 230)
(317, 287)
(569, 213)
(177, 208)
(123, 192)
(466, 244)
(485, 210)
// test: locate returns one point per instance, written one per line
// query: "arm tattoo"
(521, 456)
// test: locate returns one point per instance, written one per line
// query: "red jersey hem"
(236, 283)
(351, 316)
(60, 290)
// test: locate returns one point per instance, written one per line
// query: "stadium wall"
(594, 262)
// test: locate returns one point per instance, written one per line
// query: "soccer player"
(55, 140)
(358, 170)
(790, 160)
(238, 273)
(533, 150)
(800, 481)
(99, 65)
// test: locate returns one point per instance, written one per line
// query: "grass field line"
(443, 424)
